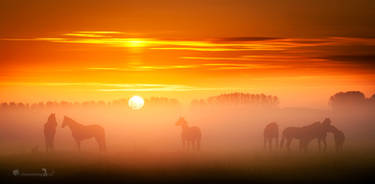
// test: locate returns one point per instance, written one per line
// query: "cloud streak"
(229, 53)
(120, 39)
(114, 87)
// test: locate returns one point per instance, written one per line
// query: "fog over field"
(229, 123)
(145, 145)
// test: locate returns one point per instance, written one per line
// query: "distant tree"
(350, 99)
(238, 99)
(4, 105)
(372, 99)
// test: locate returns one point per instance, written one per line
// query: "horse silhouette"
(81, 132)
(190, 136)
(339, 138)
(50, 131)
(271, 131)
(306, 134)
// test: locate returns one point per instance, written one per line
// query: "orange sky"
(301, 51)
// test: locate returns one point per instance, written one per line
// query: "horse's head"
(181, 122)
(52, 119)
(332, 129)
(326, 122)
(65, 122)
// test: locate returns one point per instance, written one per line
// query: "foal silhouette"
(50, 131)
(271, 131)
(189, 135)
(306, 134)
(81, 132)
(339, 137)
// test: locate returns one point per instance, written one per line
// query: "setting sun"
(136, 102)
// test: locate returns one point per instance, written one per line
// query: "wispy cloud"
(239, 66)
(228, 53)
(114, 87)
(120, 39)
(143, 68)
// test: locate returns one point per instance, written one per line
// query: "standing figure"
(271, 131)
(190, 136)
(49, 132)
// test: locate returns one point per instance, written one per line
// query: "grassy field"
(177, 167)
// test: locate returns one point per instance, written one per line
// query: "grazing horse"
(306, 134)
(81, 132)
(189, 135)
(339, 137)
(271, 131)
(49, 132)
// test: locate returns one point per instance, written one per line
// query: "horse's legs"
(188, 145)
(288, 141)
(277, 142)
(339, 147)
(300, 145)
(101, 143)
(183, 144)
(198, 145)
(46, 141)
(324, 144)
(78, 144)
(319, 145)
(270, 144)
(282, 142)
(52, 147)
(305, 146)
(265, 142)
(193, 145)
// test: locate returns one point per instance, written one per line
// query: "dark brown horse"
(271, 131)
(50, 131)
(81, 132)
(339, 138)
(190, 135)
(306, 134)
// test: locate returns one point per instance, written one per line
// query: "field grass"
(179, 167)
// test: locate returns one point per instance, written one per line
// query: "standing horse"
(81, 132)
(189, 135)
(339, 138)
(50, 131)
(271, 131)
(306, 134)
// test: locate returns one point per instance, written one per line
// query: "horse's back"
(193, 133)
(88, 131)
(95, 128)
(292, 132)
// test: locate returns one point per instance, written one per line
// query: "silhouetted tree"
(351, 100)
(238, 99)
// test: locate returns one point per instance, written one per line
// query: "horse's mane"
(72, 121)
